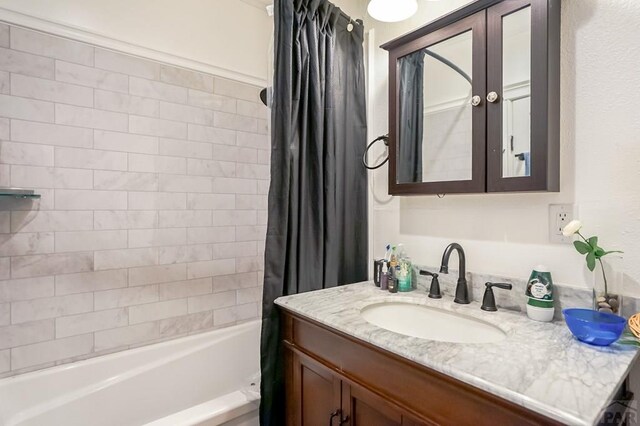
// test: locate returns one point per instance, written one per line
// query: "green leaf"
(593, 242)
(583, 248)
(629, 342)
(609, 252)
(591, 261)
(599, 252)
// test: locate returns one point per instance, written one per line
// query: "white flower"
(571, 228)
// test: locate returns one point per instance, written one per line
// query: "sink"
(430, 323)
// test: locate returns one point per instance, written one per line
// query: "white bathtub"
(205, 379)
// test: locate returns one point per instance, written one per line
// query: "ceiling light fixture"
(392, 10)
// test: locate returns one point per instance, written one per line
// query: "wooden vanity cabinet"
(335, 379)
(320, 396)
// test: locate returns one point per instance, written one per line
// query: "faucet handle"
(434, 289)
(489, 299)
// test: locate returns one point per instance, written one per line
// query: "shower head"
(263, 97)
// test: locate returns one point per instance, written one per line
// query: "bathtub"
(205, 379)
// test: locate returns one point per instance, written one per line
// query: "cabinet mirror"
(474, 103)
(516, 94)
(435, 111)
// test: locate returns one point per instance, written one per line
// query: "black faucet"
(434, 289)
(462, 292)
(489, 299)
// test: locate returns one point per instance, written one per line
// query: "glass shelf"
(18, 193)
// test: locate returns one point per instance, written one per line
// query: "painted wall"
(507, 234)
(230, 34)
(350, 7)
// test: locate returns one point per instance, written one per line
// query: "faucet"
(489, 299)
(462, 292)
(434, 290)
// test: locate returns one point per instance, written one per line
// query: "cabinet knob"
(492, 97)
(475, 100)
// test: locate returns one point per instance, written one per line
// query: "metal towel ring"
(385, 139)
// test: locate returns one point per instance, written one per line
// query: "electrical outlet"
(559, 216)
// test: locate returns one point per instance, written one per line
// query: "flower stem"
(581, 236)
(604, 277)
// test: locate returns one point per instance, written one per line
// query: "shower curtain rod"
(263, 92)
(344, 15)
(349, 18)
(449, 64)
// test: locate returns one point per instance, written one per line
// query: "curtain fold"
(411, 112)
(317, 226)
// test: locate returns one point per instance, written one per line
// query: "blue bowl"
(594, 328)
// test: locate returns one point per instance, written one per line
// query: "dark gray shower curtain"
(411, 70)
(317, 230)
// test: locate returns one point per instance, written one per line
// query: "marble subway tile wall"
(447, 146)
(153, 213)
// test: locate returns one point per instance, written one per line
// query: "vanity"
(467, 367)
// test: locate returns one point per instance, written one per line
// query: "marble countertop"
(540, 366)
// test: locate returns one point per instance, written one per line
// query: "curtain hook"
(350, 25)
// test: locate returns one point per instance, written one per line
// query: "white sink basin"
(431, 323)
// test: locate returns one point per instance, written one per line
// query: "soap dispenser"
(384, 277)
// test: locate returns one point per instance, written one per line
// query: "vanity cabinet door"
(318, 397)
(315, 395)
(523, 84)
(367, 409)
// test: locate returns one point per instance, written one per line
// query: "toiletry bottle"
(384, 277)
(377, 271)
(392, 280)
(540, 295)
(393, 258)
(404, 270)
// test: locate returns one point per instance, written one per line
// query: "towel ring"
(385, 139)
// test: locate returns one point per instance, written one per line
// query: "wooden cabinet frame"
(484, 17)
(545, 97)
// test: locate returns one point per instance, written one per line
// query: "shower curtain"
(317, 230)
(411, 70)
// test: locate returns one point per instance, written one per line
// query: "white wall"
(352, 8)
(600, 147)
(229, 34)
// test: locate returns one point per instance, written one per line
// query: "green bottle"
(404, 270)
(540, 295)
